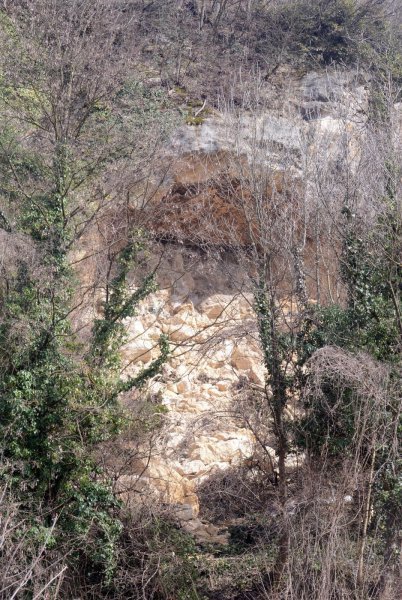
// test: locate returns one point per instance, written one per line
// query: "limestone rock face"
(211, 327)
(205, 306)
(303, 117)
(291, 116)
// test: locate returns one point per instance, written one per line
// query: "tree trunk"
(366, 519)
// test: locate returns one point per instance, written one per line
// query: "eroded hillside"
(200, 299)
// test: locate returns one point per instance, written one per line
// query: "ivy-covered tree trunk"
(59, 402)
(276, 393)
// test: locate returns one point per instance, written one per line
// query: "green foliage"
(178, 570)
(330, 420)
(372, 273)
(326, 326)
(371, 314)
(195, 121)
(57, 405)
(155, 545)
(330, 423)
(120, 303)
(93, 516)
(50, 415)
(370, 322)
(109, 333)
(388, 502)
(276, 345)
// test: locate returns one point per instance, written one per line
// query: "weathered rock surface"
(315, 115)
(213, 341)
(206, 310)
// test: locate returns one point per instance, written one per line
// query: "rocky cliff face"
(205, 301)
(296, 129)
(203, 306)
